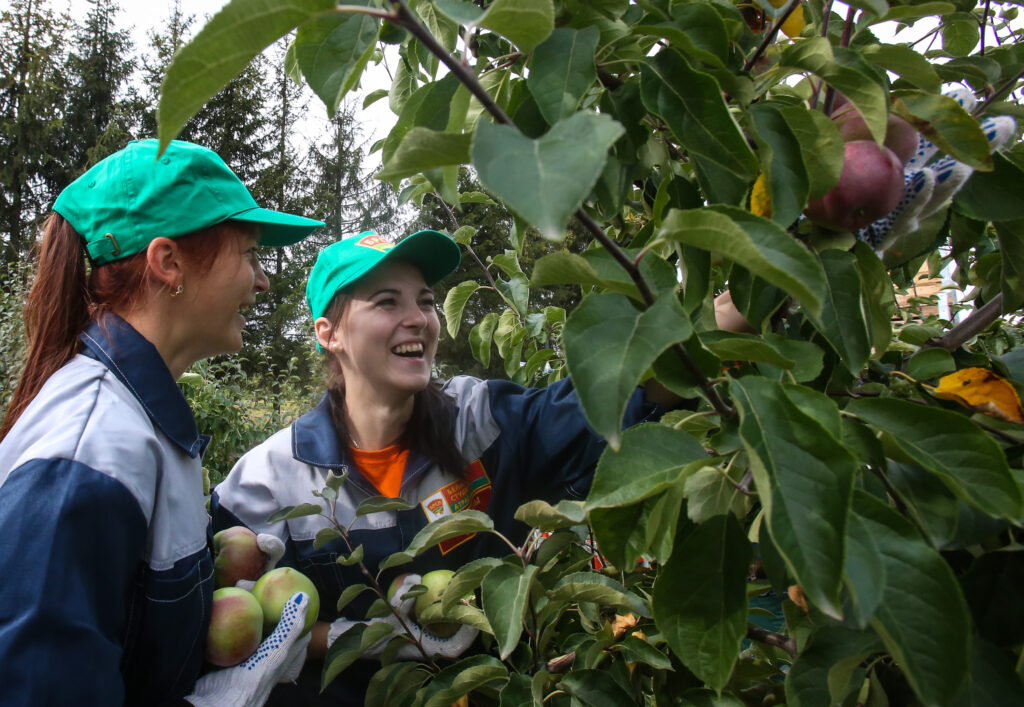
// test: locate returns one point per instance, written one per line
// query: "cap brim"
(279, 228)
(435, 254)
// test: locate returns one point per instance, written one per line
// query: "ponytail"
(56, 312)
(67, 293)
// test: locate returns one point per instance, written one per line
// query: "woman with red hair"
(147, 265)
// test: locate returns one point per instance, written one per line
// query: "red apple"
(236, 556)
(236, 627)
(275, 588)
(900, 136)
(870, 186)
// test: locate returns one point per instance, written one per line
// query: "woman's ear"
(324, 333)
(164, 260)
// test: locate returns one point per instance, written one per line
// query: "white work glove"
(278, 659)
(927, 187)
(273, 548)
(435, 646)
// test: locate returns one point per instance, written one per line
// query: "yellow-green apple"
(273, 590)
(236, 627)
(236, 555)
(429, 603)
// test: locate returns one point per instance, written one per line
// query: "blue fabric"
(106, 576)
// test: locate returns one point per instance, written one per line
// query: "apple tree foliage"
(818, 463)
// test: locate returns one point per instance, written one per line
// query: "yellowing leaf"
(981, 390)
(760, 198)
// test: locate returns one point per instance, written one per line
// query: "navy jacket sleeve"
(545, 430)
(71, 543)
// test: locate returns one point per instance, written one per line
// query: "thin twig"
(984, 26)
(756, 633)
(1006, 87)
(978, 322)
(769, 36)
(844, 41)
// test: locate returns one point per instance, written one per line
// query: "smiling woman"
(144, 268)
(442, 448)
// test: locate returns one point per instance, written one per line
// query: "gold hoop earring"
(181, 288)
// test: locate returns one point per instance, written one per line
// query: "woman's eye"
(386, 302)
(428, 302)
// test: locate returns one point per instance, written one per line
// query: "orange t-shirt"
(383, 467)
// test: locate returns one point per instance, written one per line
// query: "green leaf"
(464, 235)
(345, 650)
(652, 458)
(354, 559)
(516, 291)
(543, 516)
(504, 592)
(930, 363)
(822, 672)
(729, 346)
(202, 67)
(462, 677)
(349, 593)
(480, 338)
(395, 559)
(815, 55)
(992, 196)
(865, 573)
(922, 617)
(821, 147)
(783, 162)
(904, 62)
(525, 23)
(949, 445)
(1011, 245)
(842, 317)
(546, 179)
(595, 269)
(429, 106)
(804, 478)
(808, 358)
(324, 536)
(914, 12)
(700, 601)
(757, 244)
(466, 580)
(448, 527)
(377, 504)
(609, 345)
(423, 149)
(691, 104)
(455, 304)
(299, 511)
(877, 297)
(562, 70)
(332, 52)
(393, 683)
(594, 688)
(710, 493)
(944, 121)
(679, 35)
(460, 11)
(960, 34)
(598, 589)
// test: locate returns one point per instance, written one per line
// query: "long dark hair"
(67, 293)
(430, 430)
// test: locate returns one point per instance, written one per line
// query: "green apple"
(273, 590)
(236, 627)
(429, 603)
(236, 555)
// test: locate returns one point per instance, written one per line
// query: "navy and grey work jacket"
(106, 577)
(520, 444)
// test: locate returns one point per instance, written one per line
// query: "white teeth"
(408, 348)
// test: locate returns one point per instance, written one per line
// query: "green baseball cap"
(340, 265)
(131, 197)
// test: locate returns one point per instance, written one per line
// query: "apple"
(275, 588)
(236, 556)
(870, 186)
(900, 136)
(236, 627)
(429, 603)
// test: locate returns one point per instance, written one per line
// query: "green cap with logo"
(133, 196)
(340, 265)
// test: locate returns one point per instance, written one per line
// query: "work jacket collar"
(135, 362)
